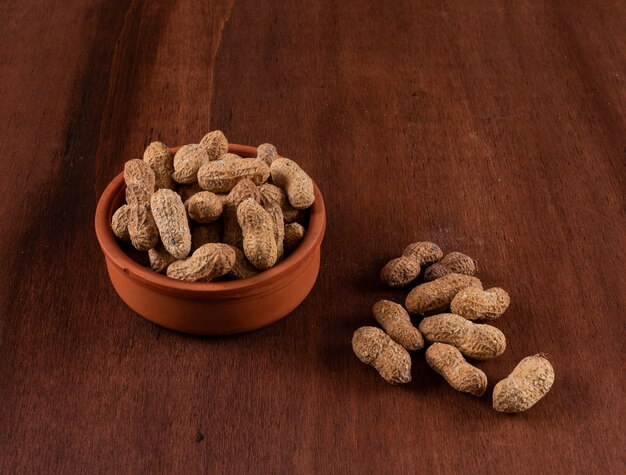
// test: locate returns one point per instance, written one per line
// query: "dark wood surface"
(494, 128)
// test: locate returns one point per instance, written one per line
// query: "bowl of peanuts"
(211, 238)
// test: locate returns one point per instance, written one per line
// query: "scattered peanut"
(207, 263)
(449, 363)
(436, 296)
(294, 234)
(531, 380)
(204, 207)
(476, 341)
(215, 144)
(187, 191)
(171, 220)
(221, 176)
(257, 227)
(403, 270)
(161, 160)
(188, 161)
(455, 262)
(375, 348)
(119, 223)
(397, 323)
(476, 304)
(296, 183)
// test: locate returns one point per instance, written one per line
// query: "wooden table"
(494, 128)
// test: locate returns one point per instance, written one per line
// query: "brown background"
(493, 128)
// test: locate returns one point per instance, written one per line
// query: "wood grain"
(494, 128)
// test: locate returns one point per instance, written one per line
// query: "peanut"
(279, 227)
(375, 348)
(142, 228)
(205, 233)
(436, 296)
(403, 270)
(221, 176)
(161, 160)
(207, 263)
(296, 183)
(449, 363)
(476, 341)
(160, 259)
(140, 181)
(242, 269)
(230, 156)
(294, 234)
(188, 161)
(119, 223)
(232, 231)
(204, 207)
(455, 262)
(476, 304)
(267, 152)
(171, 220)
(531, 380)
(425, 253)
(257, 227)
(215, 144)
(397, 323)
(273, 194)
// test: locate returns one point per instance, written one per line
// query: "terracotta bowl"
(213, 308)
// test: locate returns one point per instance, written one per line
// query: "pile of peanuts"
(448, 285)
(204, 213)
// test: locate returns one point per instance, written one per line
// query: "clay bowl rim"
(147, 277)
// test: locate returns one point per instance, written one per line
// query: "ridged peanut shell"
(242, 269)
(267, 152)
(424, 252)
(375, 348)
(288, 175)
(257, 226)
(449, 363)
(279, 227)
(454, 262)
(221, 176)
(215, 144)
(531, 380)
(142, 228)
(243, 190)
(160, 259)
(294, 234)
(140, 181)
(435, 296)
(119, 223)
(273, 194)
(476, 304)
(476, 341)
(204, 207)
(397, 323)
(161, 160)
(187, 162)
(207, 263)
(400, 271)
(171, 220)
